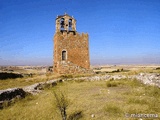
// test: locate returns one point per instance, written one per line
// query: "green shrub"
(112, 84)
(158, 68)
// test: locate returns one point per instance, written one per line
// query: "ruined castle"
(71, 49)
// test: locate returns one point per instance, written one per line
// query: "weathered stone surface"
(32, 89)
(115, 77)
(149, 79)
(98, 78)
(37, 87)
(73, 44)
(11, 93)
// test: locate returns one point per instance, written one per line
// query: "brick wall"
(77, 51)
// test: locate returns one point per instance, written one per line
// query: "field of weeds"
(97, 100)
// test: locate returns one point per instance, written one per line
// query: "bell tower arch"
(65, 23)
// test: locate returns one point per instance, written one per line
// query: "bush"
(116, 71)
(158, 68)
(6, 75)
(112, 84)
(62, 104)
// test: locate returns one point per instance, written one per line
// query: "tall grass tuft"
(62, 104)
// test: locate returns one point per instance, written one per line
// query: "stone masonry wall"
(76, 46)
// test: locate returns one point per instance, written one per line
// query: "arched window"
(64, 55)
(62, 23)
(70, 24)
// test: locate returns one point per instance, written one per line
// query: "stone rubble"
(146, 78)
(149, 79)
(12, 93)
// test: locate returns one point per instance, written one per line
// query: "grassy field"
(25, 81)
(105, 100)
(128, 70)
(21, 82)
(39, 77)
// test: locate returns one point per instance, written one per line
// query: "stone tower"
(71, 50)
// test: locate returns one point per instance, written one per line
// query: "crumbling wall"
(77, 50)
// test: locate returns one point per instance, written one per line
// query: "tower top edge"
(61, 16)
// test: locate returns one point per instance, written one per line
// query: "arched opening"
(70, 24)
(64, 55)
(62, 23)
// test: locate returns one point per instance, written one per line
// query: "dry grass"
(40, 75)
(127, 71)
(143, 70)
(20, 82)
(106, 103)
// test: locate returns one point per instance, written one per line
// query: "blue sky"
(120, 31)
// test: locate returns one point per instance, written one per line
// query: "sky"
(120, 31)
